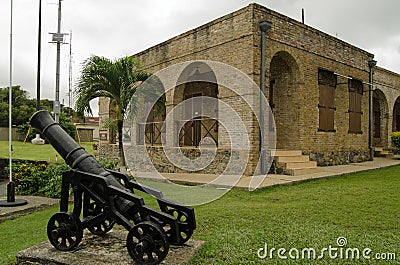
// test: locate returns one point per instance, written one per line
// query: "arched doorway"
(196, 83)
(396, 116)
(380, 119)
(283, 99)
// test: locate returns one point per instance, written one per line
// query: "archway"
(380, 119)
(283, 99)
(196, 82)
(396, 116)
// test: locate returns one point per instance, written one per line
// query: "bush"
(52, 179)
(39, 179)
(108, 163)
(396, 139)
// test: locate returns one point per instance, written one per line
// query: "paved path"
(35, 203)
(269, 180)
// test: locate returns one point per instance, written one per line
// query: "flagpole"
(10, 187)
(10, 96)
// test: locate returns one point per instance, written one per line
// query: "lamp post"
(264, 26)
(371, 64)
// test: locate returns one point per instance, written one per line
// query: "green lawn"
(363, 208)
(28, 151)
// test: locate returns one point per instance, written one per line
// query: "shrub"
(52, 179)
(396, 139)
(39, 179)
(108, 163)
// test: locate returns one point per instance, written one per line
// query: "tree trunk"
(122, 163)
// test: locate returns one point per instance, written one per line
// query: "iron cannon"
(103, 198)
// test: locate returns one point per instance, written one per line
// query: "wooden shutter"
(355, 98)
(327, 85)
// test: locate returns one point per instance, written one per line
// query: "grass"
(23, 232)
(362, 207)
(28, 151)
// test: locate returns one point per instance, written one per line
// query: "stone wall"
(107, 151)
(228, 39)
(332, 158)
(153, 157)
(15, 136)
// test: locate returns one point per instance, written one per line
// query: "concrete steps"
(380, 152)
(294, 163)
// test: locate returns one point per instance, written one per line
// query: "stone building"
(316, 85)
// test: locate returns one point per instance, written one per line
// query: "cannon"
(103, 198)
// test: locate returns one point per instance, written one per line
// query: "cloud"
(389, 53)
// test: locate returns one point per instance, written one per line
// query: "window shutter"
(327, 85)
(355, 97)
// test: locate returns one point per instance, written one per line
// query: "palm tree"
(117, 80)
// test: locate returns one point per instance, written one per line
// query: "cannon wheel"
(185, 235)
(101, 228)
(185, 232)
(64, 231)
(147, 243)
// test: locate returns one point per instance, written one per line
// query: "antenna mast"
(58, 38)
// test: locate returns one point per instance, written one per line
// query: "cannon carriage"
(103, 198)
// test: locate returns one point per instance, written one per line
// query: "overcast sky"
(124, 27)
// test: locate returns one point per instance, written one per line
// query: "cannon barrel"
(74, 155)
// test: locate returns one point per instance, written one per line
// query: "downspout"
(264, 26)
(371, 64)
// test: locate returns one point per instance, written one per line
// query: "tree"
(22, 106)
(65, 123)
(117, 80)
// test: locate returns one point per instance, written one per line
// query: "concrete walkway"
(271, 179)
(35, 204)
